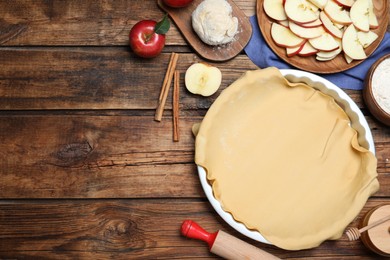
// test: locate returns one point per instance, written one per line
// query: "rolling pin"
(223, 244)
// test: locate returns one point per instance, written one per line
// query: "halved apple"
(284, 37)
(204, 79)
(326, 42)
(319, 3)
(329, 26)
(372, 20)
(307, 50)
(275, 9)
(337, 13)
(307, 33)
(351, 45)
(346, 3)
(294, 51)
(359, 15)
(366, 38)
(301, 11)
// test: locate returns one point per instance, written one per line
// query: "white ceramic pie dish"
(358, 122)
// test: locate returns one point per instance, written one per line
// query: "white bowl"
(358, 122)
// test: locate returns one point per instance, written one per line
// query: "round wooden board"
(182, 18)
(310, 63)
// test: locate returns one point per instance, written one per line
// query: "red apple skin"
(144, 41)
(340, 3)
(310, 25)
(374, 26)
(288, 46)
(296, 52)
(333, 34)
(177, 3)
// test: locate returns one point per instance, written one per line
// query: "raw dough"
(212, 20)
(283, 159)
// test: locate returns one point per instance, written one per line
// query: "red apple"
(144, 40)
(177, 3)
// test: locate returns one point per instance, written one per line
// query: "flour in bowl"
(381, 85)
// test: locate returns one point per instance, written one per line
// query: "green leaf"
(162, 26)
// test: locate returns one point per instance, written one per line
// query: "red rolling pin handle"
(191, 229)
(223, 244)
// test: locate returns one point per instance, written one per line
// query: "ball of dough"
(212, 20)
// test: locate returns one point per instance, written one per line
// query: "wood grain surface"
(85, 171)
(338, 64)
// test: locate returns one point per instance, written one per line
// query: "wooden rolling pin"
(223, 244)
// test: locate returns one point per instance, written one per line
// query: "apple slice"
(284, 37)
(347, 58)
(359, 15)
(337, 13)
(319, 3)
(366, 38)
(307, 50)
(275, 9)
(307, 33)
(345, 3)
(329, 26)
(319, 58)
(316, 23)
(340, 26)
(372, 20)
(285, 23)
(331, 54)
(301, 11)
(326, 42)
(351, 44)
(204, 79)
(294, 51)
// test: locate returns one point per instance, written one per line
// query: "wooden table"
(85, 170)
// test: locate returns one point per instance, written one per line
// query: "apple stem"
(147, 37)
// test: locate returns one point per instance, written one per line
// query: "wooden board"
(82, 23)
(129, 229)
(105, 156)
(310, 63)
(85, 171)
(182, 18)
(107, 78)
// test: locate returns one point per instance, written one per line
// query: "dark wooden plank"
(72, 23)
(127, 156)
(130, 229)
(75, 23)
(95, 78)
(96, 157)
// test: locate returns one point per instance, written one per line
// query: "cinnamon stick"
(175, 106)
(166, 85)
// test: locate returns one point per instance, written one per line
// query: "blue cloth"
(263, 56)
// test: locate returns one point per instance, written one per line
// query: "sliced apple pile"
(325, 28)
